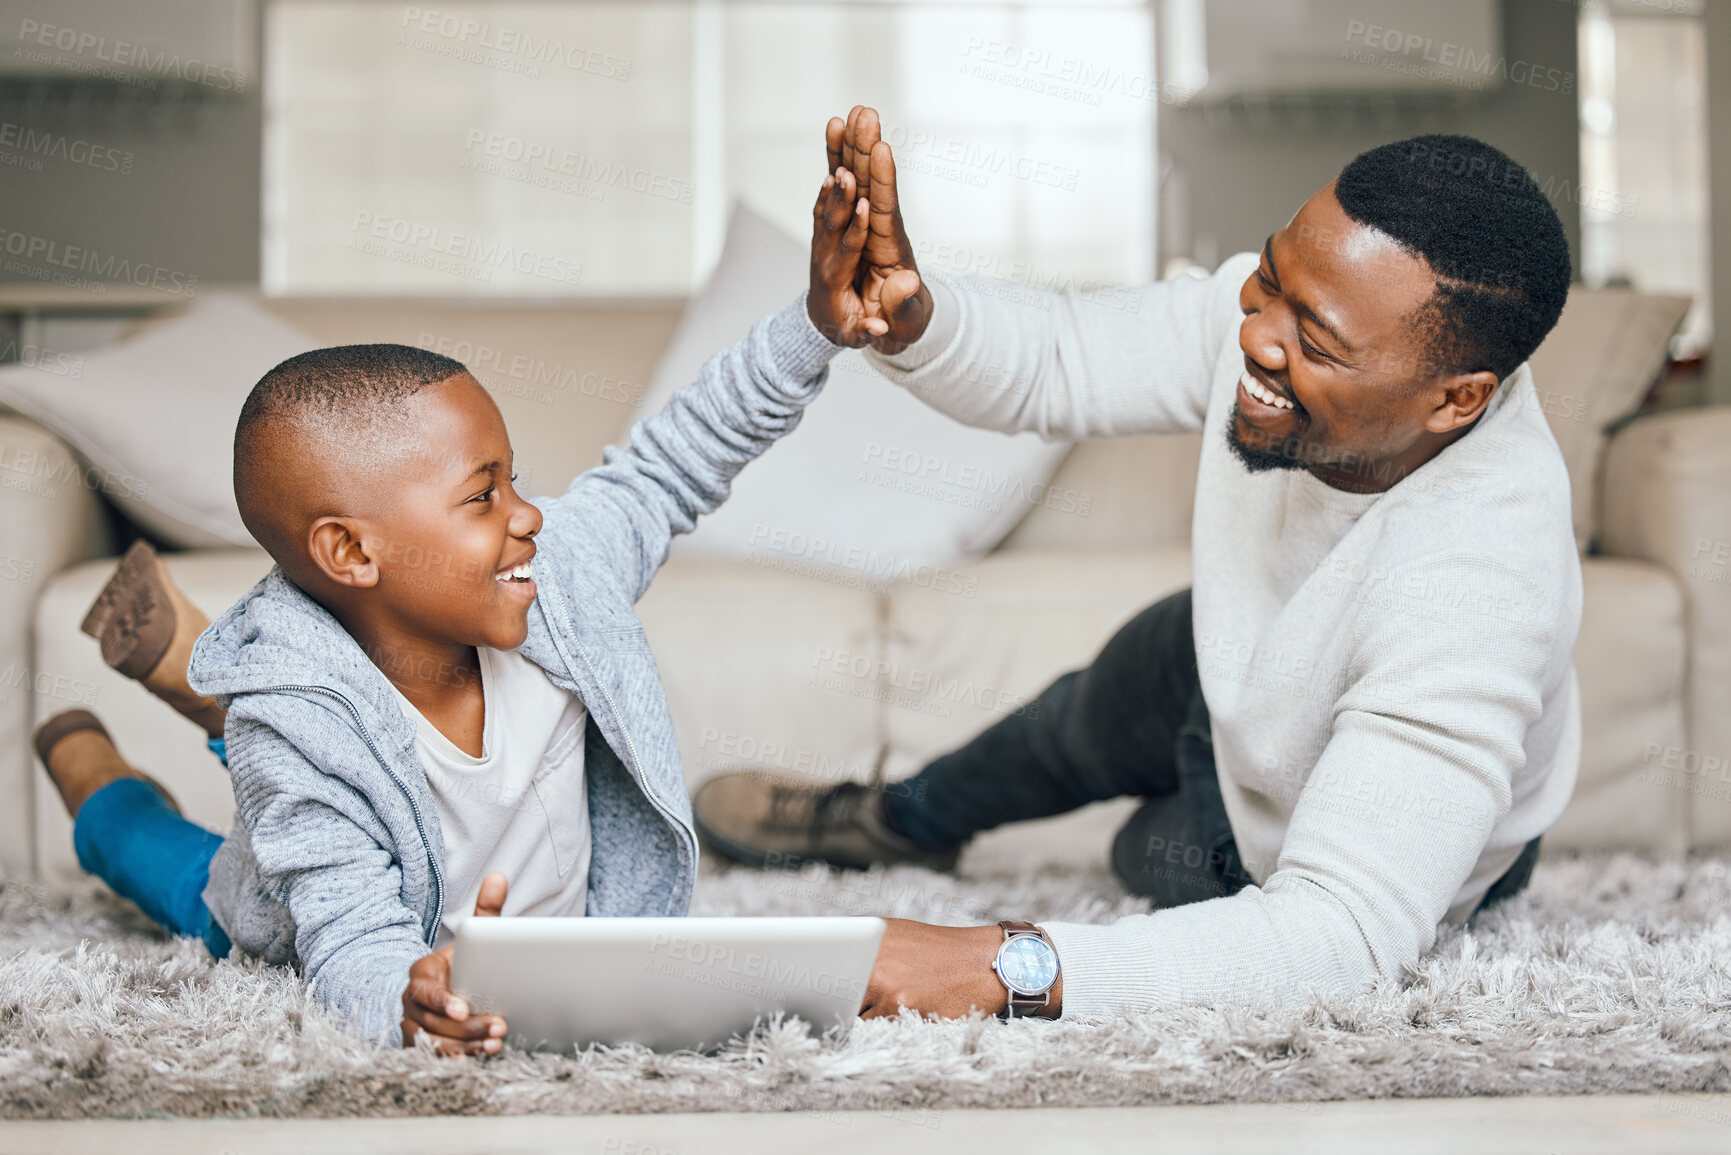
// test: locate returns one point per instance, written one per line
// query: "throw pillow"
(874, 483)
(153, 415)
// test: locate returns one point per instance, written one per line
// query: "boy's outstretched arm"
(682, 461)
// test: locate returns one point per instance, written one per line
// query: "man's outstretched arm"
(1090, 362)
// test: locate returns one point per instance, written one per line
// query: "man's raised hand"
(890, 282)
(430, 1007)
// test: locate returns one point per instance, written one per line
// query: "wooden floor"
(1641, 1125)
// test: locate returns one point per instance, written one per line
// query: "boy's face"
(453, 531)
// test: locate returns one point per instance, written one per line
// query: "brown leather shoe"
(776, 820)
(69, 722)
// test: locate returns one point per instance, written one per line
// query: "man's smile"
(1264, 395)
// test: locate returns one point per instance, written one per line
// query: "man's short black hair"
(347, 399)
(1482, 223)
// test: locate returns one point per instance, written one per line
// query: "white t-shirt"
(522, 807)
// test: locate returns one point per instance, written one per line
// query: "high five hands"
(865, 286)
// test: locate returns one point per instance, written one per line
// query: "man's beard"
(1284, 453)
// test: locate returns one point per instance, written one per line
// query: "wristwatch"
(1027, 965)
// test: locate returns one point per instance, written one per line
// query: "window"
(594, 148)
(1643, 189)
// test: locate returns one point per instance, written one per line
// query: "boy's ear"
(336, 548)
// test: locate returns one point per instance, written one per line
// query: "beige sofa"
(822, 678)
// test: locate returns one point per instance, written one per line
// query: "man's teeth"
(1263, 394)
(516, 573)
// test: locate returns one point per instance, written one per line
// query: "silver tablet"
(669, 983)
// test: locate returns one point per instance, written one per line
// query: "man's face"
(1336, 378)
(453, 529)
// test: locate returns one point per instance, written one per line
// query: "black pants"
(1132, 723)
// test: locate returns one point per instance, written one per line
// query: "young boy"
(440, 685)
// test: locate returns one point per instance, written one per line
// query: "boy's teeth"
(517, 573)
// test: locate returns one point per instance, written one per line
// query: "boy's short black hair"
(1483, 224)
(347, 395)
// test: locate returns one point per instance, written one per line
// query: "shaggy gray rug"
(1611, 974)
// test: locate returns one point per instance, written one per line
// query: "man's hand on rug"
(430, 1007)
(940, 971)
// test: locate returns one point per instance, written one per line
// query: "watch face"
(1028, 965)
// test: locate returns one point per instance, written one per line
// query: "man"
(1362, 718)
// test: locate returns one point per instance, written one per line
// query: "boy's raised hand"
(430, 1007)
(839, 226)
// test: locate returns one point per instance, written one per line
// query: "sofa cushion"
(1118, 493)
(1630, 660)
(738, 647)
(957, 662)
(1669, 502)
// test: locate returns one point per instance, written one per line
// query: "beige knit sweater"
(1390, 676)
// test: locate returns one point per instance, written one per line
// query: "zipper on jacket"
(637, 773)
(414, 808)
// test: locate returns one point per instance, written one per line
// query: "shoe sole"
(132, 645)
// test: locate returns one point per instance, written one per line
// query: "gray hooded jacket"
(335, 862)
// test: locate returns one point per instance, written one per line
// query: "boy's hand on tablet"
(430, 1007)
(890, 282)
(840, 224)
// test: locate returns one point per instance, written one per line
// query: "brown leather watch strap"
(1019, 1006)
